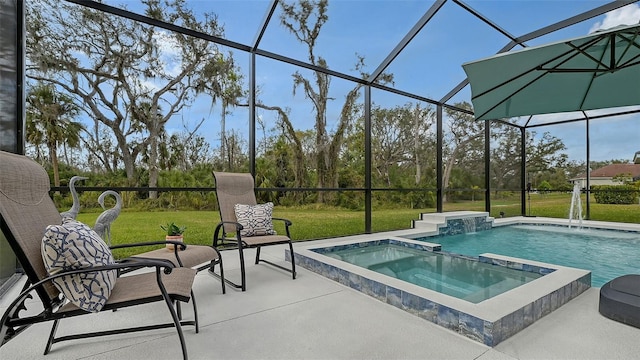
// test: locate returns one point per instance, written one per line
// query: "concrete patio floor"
(315, 318)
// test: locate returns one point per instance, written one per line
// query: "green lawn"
(316, 223)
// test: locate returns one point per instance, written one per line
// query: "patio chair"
(253, 228)
(198, 257)
(83, 273)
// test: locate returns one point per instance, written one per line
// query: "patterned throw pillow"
(71, 246)
(255, 219)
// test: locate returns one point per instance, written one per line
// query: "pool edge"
(489, 322)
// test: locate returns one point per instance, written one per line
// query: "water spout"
(469, 225)
(575, 212)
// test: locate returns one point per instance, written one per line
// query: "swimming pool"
(607, 253)
(490, 321)
(461, 277)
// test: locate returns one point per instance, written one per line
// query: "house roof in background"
(617, 169)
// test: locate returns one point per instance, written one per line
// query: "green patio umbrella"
(597, 71)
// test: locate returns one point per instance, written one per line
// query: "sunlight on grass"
(318, 223)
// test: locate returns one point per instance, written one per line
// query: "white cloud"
(627, 15)
(169, 53)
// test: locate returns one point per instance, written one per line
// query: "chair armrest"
(220, 226)
(181, 244)
(12, 323)
(129, 263)
(287, 222)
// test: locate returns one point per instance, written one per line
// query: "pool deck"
(316, 318)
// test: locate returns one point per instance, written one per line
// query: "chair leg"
(52, 336)
(213, 269)
(257, 255)
(242, 271)
(222, 281)
(293, 261)
(174, 316)
(195, 312)
(178, 309)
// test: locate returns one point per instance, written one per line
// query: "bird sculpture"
(75, 208)
(104, 220)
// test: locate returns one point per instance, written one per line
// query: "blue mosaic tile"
(493, 332)
(412, 303)
(449, 318)
(567, 293)
(366, 286)
(355, 281)
(471, 327)
(508, 326)
(553, 300)
(380, 291)
(537, 310)
(561, 298)
(514, 265)
(327, 270)
(343, 276)
(518, 320)
(430, 311)
(545, 271)
(546, 304)
(499, 262)
(528, 317)
(585, 282)
(394, 297)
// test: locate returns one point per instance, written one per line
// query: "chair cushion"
(72, 246)
(255, 219)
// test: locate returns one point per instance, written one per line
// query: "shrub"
(615, 194)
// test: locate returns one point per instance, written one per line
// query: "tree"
(123, 71)
(545, 155)
(304, 20)
(398, 138)
(50, 121)
(505, 157)
(229, 88)
(464, 138)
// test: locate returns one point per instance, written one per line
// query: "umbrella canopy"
(597, 71)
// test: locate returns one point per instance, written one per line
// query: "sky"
(429, 66)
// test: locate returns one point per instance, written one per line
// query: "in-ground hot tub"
(487, 319)
(462, 277)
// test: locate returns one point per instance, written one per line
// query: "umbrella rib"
(580, 50)
(631, 42)
(595, 74)
(512, 94)
(538, 67)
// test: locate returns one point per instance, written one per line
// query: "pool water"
(607, 254)
(463, 278)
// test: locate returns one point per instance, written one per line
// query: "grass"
(317, 223)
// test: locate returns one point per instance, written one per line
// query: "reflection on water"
(455, 276)
(607, 254)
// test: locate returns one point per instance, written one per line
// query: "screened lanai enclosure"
(356, 105)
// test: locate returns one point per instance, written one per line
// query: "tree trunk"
(447, 173)
(223, 135)
(53, 152)
(153, 162)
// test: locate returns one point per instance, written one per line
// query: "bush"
(615, 194)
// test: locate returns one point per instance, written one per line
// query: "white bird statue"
(75, 208)
(104, 220)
